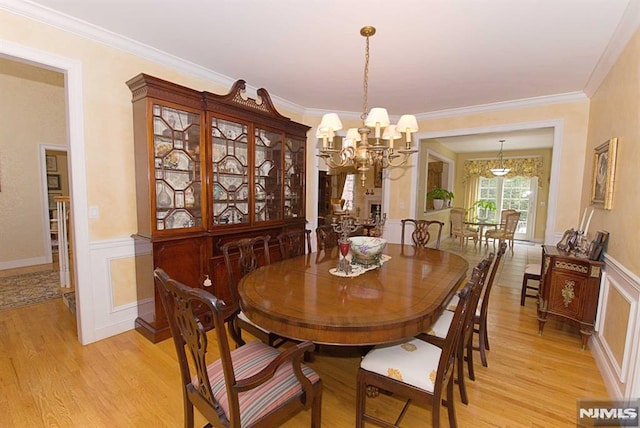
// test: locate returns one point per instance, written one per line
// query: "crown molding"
(505, 105)
(627, 27)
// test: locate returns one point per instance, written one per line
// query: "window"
(516, 193)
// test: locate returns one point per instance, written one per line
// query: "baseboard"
(13, 264)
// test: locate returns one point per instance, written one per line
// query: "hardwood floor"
(49, 379)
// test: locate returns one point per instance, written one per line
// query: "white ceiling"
(427, 55)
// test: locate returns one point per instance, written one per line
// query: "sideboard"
(569, 289)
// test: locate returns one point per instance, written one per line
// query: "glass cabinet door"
(294, 162)
(230, 179)
(178, 184)
(268, 173)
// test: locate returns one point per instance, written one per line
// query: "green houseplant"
(484, 207)
(438, 195)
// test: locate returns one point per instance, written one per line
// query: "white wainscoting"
(615, 343)
(108, 319)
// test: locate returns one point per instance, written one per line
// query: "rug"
(69, 300)
(29, 288)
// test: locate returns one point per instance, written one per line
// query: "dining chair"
(458, 228)
(292, 243)
(420, 234)
(415, 369)
(240, 258)
(253, 385)
(505, 232)
(438, 331)
(531, 273)
(480, 316)
(326, 237)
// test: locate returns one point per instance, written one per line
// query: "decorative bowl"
(366, 250)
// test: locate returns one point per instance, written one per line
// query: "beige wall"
(32, 112)
(615, 112)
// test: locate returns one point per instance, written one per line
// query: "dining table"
(303, 298)
(482, 224)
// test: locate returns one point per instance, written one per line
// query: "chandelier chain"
(365, 100)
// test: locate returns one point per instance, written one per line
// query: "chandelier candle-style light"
(502, 170)
(356, 149)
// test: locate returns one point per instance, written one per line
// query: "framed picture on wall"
(53, 182)
(52, 163)
(604, 168)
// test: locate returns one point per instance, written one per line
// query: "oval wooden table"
(298, 298)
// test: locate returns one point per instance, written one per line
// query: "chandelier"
(357, 150)
(502, 170)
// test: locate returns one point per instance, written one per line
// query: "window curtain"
(474, 169)
(471, 191)
(520, 167)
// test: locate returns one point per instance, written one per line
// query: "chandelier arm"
(396, 160)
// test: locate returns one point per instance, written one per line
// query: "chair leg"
(460, 377)
(523, 292)
(316, 410)
(469, 346)
(483, 346)
(188, 413)
(450, 409)
(485, 334)
(361, 396)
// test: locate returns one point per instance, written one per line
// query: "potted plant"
(438, 195)
(484, 207)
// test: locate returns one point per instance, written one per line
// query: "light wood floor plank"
(49, 379)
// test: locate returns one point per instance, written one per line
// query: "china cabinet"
(569, 289)
(209, 169)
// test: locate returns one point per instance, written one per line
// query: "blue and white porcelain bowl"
(366, 250)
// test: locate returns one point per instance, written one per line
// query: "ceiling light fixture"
(356, 150)
(502, 170)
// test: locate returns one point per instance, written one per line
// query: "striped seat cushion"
(256, 403)
(414, 362)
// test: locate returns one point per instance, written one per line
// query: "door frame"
(72, 70)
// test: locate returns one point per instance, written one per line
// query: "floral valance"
(520, 167)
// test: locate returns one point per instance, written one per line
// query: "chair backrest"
(326, 237)
(511, 223)
(480, 272)
(457, 220)
(457, 328)
(484, 307)
(504, 214)
(292, 243)
(248, 260)
(421, 235)
(184, 306)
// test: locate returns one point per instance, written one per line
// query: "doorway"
(73, 90)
